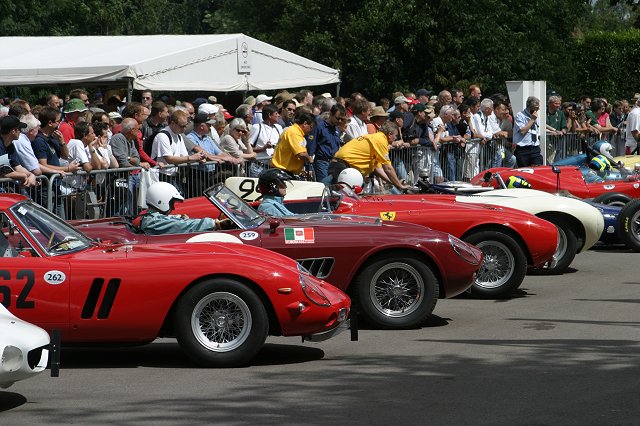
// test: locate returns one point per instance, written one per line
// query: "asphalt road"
(564, 351)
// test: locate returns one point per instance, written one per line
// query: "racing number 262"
(5, 291)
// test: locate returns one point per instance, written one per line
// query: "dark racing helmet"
(600, 164)
(517, 182)
(270, 180)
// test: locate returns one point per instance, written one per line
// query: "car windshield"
(234, 207)
(51, 233)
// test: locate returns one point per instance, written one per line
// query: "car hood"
(433, 202)
(16, 332)
(191, 251)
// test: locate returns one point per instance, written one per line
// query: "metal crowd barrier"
(460, 162)
(115, 192)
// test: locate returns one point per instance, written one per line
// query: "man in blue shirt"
(10, 128)
(324, 141)
(199, 140)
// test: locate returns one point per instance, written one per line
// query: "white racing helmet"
(351, 178)
(604, 148)
(160, 195)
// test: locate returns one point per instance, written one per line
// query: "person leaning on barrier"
(526, 131)
(9, 131)
(49, 145)
(169, 148)
(233, 142)
(161, 197)
(367, 154)
(291, 152)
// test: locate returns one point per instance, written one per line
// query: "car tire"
(612, 198)
(629, 225)
(504, 265)
(221, 323)
(397, 293)
(567, 247)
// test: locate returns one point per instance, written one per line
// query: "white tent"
(219, 62)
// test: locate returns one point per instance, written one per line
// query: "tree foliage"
(380, 46)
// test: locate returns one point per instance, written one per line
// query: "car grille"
(318, 267)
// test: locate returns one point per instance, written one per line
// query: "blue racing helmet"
(600, 164)
(517, 182)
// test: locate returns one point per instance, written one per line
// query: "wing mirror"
(273, 225)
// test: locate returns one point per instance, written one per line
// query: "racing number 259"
(5, 291)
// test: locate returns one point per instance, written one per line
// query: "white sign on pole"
(244, 56)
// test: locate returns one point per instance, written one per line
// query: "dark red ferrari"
(396, 271)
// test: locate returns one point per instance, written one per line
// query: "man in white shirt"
(632, 133)
(358, 125)
(168, 146)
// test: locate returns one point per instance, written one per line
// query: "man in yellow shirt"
(291, 153)
(370, 153)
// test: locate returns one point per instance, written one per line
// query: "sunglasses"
(240, 130)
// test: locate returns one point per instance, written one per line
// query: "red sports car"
(220, 300)
(510, 239)
(567, 178)
(396, 271)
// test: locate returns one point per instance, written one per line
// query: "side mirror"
(486, 177)
(555, 169)
(273, 225)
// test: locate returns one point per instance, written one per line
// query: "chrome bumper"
(347, 324)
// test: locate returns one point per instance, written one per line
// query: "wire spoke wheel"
(497, 266)
(221, 321)
(397, 290)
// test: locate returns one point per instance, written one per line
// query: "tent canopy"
(219, 62)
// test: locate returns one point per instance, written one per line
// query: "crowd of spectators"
(312, 137)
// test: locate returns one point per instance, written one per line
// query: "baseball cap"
(262, 98)
(75, 105)
(396, 114)
(412, 101)
(227, 116)
(212, 99)
(202, 117)
(423, 92)
(10, 122)
(400, 100)
(208, 109)
(114, 115)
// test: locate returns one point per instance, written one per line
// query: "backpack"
(147, 144)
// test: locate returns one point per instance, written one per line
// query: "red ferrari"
(396, 271)
(565, 178)
(510, 239)
(220, 300)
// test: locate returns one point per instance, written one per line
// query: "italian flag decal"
(298, 236)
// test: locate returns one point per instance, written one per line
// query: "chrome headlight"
(312, 290)
(465, 251)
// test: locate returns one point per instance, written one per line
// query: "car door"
(32, 286)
